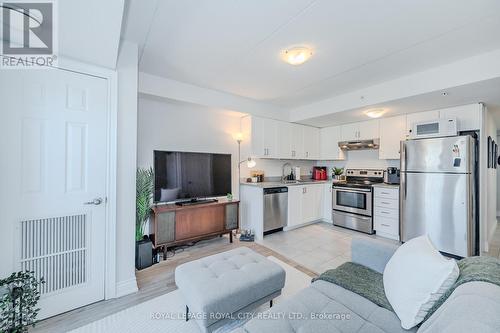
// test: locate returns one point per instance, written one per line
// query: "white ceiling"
(487, 92)
(234, 46)
(89, 30)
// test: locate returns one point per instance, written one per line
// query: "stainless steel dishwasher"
(275, 208)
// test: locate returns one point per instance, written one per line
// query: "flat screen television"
(182, 176)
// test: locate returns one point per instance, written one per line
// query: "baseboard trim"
(126, 287)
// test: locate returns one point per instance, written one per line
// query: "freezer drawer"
(442, 155)
(353, 221)
(439, 205)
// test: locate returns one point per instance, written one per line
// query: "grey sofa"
(472, 307)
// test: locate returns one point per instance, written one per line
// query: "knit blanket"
(359, 279)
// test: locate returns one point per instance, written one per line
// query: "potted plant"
(144, 195)
(19, 295)
(337, 173)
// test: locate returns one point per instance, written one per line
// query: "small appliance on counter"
(320, 173)
(257, 176)
(392, 176)
(296, 173)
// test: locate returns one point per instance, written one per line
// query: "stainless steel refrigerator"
(438, 193)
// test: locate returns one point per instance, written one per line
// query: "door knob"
(96, 202)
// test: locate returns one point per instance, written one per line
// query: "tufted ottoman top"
(227, 282)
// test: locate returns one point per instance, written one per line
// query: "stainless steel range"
(353, 199)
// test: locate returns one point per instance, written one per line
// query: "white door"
(350, 132)
(369, 130)
(329, 143)
(297, 143)
(295, 197)
(271, 138)
(284, 140)
(54, 161)
(392, 132)
(311, 143)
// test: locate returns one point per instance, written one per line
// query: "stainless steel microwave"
(435, 128)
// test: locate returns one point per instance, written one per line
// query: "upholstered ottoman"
(223, 285)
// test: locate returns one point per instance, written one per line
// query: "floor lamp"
(250, 163)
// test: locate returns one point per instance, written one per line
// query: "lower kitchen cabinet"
(386, 212)
(304, 204)
(327, 203)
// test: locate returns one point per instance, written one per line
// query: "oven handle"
(351, 189)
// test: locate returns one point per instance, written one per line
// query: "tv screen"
(182, 176)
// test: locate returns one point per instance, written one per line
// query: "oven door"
(352, 200)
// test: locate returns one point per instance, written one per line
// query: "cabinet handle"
(307, 154)
(384, 225)
(385, 203)
(384, 212)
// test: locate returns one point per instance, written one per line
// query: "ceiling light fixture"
(375, 113)
(297, 55)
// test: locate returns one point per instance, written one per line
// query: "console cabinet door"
(166, 228)
(232, 216)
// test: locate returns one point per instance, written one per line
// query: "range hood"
(360, 144)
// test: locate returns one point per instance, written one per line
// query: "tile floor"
(318, 247)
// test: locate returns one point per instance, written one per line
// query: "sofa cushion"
(415, 278)
(472, 307)
(326, 307)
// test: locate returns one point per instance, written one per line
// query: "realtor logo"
(28, 34)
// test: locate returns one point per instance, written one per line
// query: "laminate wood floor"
(152, 282)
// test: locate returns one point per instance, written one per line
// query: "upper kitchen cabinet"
(297, 141)
(260, 137)
(418, 117)
(468, 116)
(268, 138)
(329, 143)
(364, 130)
(284, 140)
(392, 131)
(311, 143)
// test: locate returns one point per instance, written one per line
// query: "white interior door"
(54, 161)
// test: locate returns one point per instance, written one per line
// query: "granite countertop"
(271, 184)
(386, 185)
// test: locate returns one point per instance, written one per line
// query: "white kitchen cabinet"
(468, 116)
(297, 141)
(329, 138)
(363, 130)
(311, 143)
(369, 130)
(349, 132)
(284, 144)
(295, 197)
(392, 132)
(260, 137)
(326, 202)
(418, 117)
(304, 204)
(386, 212)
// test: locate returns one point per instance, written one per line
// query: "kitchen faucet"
(283, 176)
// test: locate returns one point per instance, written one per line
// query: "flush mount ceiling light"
(297, 55)
(375, 113)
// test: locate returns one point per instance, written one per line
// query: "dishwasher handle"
(275, 190)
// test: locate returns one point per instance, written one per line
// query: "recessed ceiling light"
(375, 113)
(444, 93)
(297, 55)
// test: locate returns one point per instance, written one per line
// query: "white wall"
(126, 169)
(362, 159)
(178, 126)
